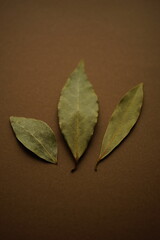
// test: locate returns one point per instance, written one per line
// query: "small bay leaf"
(37, 136)
(78, 111)
(122, 120)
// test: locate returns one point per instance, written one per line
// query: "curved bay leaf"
(78, 111)
(122, 120)
(37, 136)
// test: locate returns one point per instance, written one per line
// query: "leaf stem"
(96, 166)
(74, 169)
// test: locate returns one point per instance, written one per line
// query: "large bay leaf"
(78, 111)
(37, 136)
(122, 120)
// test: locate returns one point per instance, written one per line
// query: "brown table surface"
(41, 42)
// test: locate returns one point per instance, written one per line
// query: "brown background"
(41, 42)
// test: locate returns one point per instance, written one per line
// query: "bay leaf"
(78, 111)
(36, 136)
(122, 120)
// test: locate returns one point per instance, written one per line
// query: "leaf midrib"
(77, 122)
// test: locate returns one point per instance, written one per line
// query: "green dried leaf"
(122, 120)
(78, 111)
(37, 136)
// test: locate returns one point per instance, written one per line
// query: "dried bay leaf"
(36, 136)
(78, 111)
(122, 120)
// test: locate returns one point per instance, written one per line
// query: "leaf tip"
(54, 161)
(81, 64)
(11, 118)
(140, 85)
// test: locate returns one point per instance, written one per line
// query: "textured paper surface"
(40, 44)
